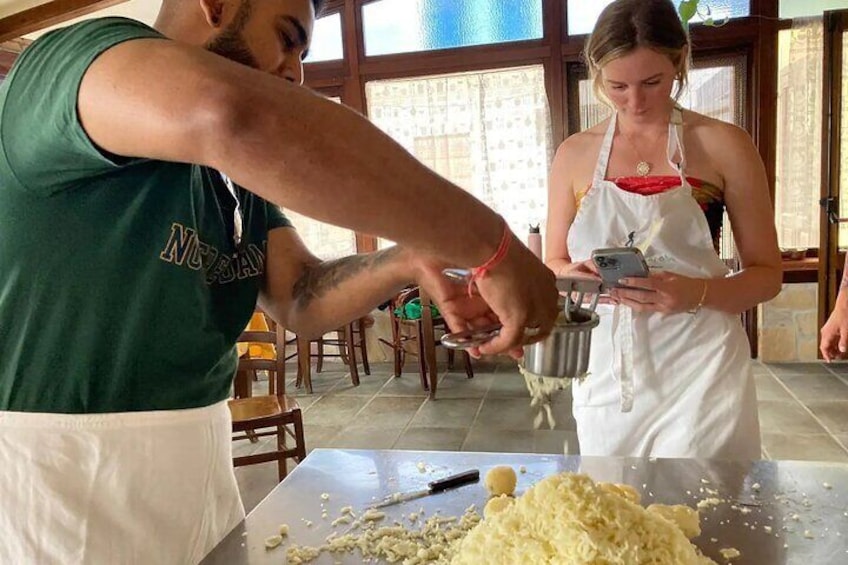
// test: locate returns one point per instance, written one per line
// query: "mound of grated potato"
(570, 519)
(565, 519)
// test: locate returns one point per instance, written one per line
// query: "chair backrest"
(406, 296)
(275, 365)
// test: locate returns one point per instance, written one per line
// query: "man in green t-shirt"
(141, 176)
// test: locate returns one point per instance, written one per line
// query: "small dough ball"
(501, 480)
(273, 541)
(687, 519)
(730, 553)
(626, 492)
(497, 504)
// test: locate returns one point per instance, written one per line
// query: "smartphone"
(617, 263)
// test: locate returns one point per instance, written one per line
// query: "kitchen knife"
(433, 487)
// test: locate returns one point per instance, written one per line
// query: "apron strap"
(675, 144)
(604, 155)
(622, 355)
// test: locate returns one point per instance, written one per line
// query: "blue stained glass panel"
(404, 26)
(582, 14)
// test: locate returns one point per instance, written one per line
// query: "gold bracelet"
(701, 301)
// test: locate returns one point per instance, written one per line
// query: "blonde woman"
(670, 368)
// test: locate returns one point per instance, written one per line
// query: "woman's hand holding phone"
(660, 291)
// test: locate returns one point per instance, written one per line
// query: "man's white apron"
(123, 488)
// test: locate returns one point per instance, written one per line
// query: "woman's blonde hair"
(626, 25)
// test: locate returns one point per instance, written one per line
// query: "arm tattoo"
(318, 279)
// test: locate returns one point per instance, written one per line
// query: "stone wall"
(788, 325)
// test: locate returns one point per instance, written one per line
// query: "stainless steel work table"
(797, 500)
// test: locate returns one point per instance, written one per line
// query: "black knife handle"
(457, 480)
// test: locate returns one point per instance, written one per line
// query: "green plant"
(688, 9)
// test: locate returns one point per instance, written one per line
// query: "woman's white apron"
(661, 385)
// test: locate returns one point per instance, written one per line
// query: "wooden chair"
(350, 337)
(274, 414)
(259, 322)
(423, 332)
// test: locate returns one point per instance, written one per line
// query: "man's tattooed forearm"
(320, 278)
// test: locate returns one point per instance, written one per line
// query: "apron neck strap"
(606, 149)
(675, 144)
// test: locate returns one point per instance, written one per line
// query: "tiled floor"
(803, 415)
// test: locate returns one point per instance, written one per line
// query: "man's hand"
(522, 293)
(660, 292)
(460, 311)
(518, 293)
(834, 333)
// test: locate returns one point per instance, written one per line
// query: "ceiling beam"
(49, 14)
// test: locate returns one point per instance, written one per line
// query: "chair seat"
(272, 414)
(255, 408)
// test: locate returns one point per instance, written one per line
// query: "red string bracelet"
(481, 271)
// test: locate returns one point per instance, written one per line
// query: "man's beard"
(230, 43)
(233, 46)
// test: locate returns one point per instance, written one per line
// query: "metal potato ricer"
(565, 352)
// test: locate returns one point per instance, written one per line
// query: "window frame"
(755, 35)
(830, 258)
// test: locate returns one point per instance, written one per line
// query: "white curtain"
(324, 240)
(798, 162)
(489, 132)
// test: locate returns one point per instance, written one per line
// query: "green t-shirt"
(121, 286)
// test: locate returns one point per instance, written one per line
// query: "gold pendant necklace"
(643, 167)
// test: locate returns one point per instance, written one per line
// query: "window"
(805, 8)
(843, 170)
(716, 88)
(323, 240)
(403, 26)
(327, 44)
(488, 132)
(799, 134)
(582, 14)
